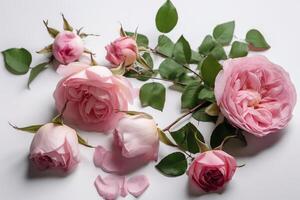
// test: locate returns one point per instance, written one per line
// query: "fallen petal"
(137, 185)
(107, 189)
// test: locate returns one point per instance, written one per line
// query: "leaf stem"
(195, 73)
(163, 79)
(183, 116)
(154, 51)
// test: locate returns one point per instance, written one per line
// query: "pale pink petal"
(114, 162)
(109, 190)
(137, 185)
(67, 70)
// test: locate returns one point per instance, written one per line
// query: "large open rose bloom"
(255, 94)
(55, 147)
(122, 50)
(136, 142)
(93, 95)
(67, 47)
(211, 170)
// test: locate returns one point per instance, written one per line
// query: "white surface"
(272, 163)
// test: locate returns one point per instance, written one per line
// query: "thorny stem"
(182, 116)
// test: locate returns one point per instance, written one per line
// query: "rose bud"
(67, 47)
(211, 170)
(55, 147)
(124, 50)
(94, 96)
(255, 94)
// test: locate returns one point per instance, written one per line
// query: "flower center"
(248, 97)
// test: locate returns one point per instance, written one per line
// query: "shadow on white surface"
(255, 145)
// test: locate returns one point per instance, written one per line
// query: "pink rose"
(255, 94)
(136, 142)
(211, 170)
(123, 50)
(55, 147)
(137, 135)
(94, 96)
(67, 47)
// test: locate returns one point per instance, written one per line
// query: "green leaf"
(189, 97)
(166, 17)
(171, 70)
(36, 71)
(223, 33)
(222, 131)
(17, 61)
(256, 41)
(201, 115)
(238, 49)
(141, 40)
(209, 70)
(182, 51)
(206, 94)
(196, 57)
(207, 45)
(153, 94)
(218, 52)
(185, 138)
(165, 46)
(174, 164)
(148, 59)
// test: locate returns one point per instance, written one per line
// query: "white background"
(272, 163)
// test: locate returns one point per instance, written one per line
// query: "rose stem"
(182, 116)
(186, 67)
(162, 79)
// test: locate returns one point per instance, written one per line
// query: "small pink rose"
(255, 94)
(123, 50)
(67, 47)
(211, 170)
(94, 96)
(55, 147)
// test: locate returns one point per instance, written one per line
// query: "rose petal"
(114, 162)
(107, 188)
(67, 70)
(137, 185)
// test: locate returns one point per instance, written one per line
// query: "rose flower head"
(255, 94)
(55, 147)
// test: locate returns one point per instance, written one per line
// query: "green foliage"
(185, 138)
(153, 94)
(17, 61)
(256, 40)
(238, 49)
(223, 33)
(166, 17)
(174, 164)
